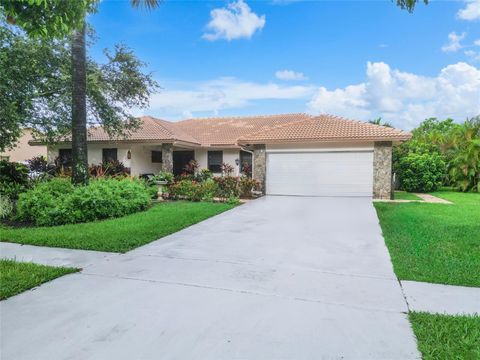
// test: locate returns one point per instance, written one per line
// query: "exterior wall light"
(129, 154)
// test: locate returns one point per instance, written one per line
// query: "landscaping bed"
(16, 277)
(120, 234)
(436, 243)
(446, 336)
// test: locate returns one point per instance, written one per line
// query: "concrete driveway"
(278, 278)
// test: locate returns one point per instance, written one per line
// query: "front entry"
(180, 159)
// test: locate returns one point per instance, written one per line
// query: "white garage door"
(320, 173)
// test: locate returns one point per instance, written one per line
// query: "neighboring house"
(291, 154)
(23, 150)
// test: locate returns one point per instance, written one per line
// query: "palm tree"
(378, 121)
(79, 98)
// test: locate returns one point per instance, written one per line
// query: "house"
(290, 154)
(23, 150)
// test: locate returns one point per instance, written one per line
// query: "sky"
(357, 59)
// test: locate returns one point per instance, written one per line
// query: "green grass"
(437, 243)
(447, 337)
(118, 235)
(16, 277)
(403, 195)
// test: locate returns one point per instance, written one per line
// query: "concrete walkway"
(432, 199)
(53, 256)
(277, 278)
(443, 299)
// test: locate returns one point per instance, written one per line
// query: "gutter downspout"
(251, 152)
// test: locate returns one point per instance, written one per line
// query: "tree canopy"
(36, 87)
(458, 145)
(47, 18)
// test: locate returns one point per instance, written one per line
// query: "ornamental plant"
(421, 172)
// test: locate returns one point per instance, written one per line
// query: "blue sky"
(360, 59)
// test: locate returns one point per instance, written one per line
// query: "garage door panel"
(320, 173)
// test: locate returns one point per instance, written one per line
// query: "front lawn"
(16, 277)
(446, 336)
(403, 195)
(437, 243)
(121, 234)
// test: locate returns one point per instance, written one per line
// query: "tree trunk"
(79, 109)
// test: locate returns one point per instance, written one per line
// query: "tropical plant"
(379, 121)
(13, 179)
(456, 143)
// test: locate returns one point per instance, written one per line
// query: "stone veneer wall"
(167, 157)
(260, 164)
(382, 170)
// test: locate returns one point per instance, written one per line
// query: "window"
(215, 160)
(109, 155)
(65, 157)
(246, 163)
(156, 156)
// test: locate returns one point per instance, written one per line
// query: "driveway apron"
(277, 278)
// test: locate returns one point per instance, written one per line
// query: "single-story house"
(290, 154)
(24, 150)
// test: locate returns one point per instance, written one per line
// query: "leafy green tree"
(36, 86)
(457, 144)
(56, 19)
(409, 5)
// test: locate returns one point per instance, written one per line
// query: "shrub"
(421, 172)
(166, 176)
(13, 179)
(246, 185)
(6, 207)
(111, 168)
(227, 186)
(58, 202)
(38, 164)
(203, 175)
(194, 191)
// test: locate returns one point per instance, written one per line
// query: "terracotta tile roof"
(235, 131)
(227, 130)
(325, 128)
(150, 129)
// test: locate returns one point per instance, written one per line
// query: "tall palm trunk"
(79, 109)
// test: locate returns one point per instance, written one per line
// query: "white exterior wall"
(140, 162)
(141, 159)
(229, 157)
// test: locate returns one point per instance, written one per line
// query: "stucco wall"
(141, 160)
(23, 151)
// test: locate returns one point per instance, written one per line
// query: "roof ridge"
(245, 116)
(159, 123)
(362, 122)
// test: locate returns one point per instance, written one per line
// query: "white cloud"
(471, 11)
(290, 75)
(210, 97)
(474, 56)
(477, 42)
(454, 42)
(405, 99)
(233, 22)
